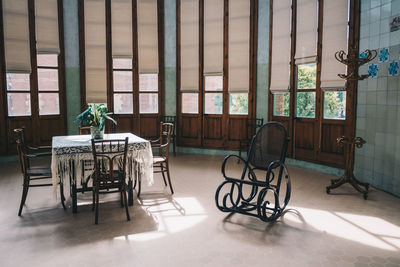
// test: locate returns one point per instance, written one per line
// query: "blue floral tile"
(383, 55)
(393, 68)
(363, 55)
(373, 70)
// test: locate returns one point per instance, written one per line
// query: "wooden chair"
(251, 127)
(30, 172)
(267, 195)
(84, 130)
(173, 120)
(160, 160)
(110, 171)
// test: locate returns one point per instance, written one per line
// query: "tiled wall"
(378, 102)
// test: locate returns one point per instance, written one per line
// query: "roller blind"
(147, 36)
(121, 28)
(95, 51)
(306, 31)
(190, 45)
(16, 36)
(334, 38)
(46, 19)
(280, 46)
(239, 45)
(213, 36)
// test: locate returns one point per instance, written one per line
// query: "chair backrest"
(166, 130)
(269, 144)
(170, 119)
(107, 154)
(21, 149)
(84, 130)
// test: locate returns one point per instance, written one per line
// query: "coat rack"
(353, 62)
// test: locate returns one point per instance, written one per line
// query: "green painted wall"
(72, 70)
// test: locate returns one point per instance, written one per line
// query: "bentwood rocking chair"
(33, 173)
(263, 188)
(110, 171)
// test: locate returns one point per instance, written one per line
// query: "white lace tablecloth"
(77, 148)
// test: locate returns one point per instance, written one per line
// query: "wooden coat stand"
(353, 62)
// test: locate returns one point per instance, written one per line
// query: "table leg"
(130, 192)
(73, 187)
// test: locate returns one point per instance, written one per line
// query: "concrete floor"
(186, 229)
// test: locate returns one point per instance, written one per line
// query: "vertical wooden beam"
(61, 67)
(318, 92)
(178, 72)
(201, 70)
(292, 116)
(253, 58)
(81, 21)
(135, 68)
(109, 63)
(3, 86)
(271, 28)
(33, 76)
(161, 57)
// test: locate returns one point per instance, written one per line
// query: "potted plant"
(95, 116)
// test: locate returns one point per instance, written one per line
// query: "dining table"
(72, 162)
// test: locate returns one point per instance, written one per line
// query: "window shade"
(46, 20)
(16, 36)
(239, 45)
(334, 38)
(213, 36)
(147, 36)
(280, 46)
(121, 28)
(190, 45)
(95, 51)
(306, 31)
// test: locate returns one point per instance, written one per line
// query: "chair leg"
(123, 192)
(169, 178)
(163, 175)
(62, 195)
(174, 147)
(24, 194)
(96, 218)
(139, 186)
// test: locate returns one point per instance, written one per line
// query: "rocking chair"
(266, 196)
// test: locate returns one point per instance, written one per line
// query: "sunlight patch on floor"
(367, 230)
(172, 216)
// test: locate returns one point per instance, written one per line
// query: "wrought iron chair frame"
(255, 204)
(252, 124)
(173, 120)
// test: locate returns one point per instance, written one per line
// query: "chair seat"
(158, 159)
(39, 171)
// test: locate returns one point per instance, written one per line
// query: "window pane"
(239, 103)
(122, 63)
(190, 103)
(19, 104)
(213, 103)
(47, 60)
(48, 79)
(49, 104)
(281, 104)
(148, 82)
(148, 103)
(122, 81)
(213, 83)
(305, 105)
(18, 82)
(335, 105)
(306, 76)
(123, 103)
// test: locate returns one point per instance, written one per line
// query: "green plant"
(95, 115)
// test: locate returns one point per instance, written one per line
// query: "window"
(190, 103)
(335, 105)
(305, 105)
(122, 86)
(306, 76)
(281, 104)
(148, 93)
(239, 103)
(212, 99)
(18, 94)
(48, 85)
